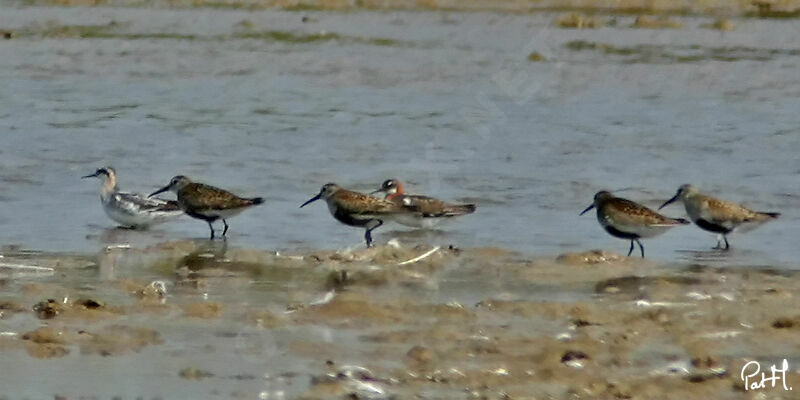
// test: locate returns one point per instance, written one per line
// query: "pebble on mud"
(47, 309)
(784, 323)
(574, 358)
(89, 304)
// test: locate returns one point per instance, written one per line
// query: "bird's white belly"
(127, 219)
(131, 217)
(224, 214)
(416, 221)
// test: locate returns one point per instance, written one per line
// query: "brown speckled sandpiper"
(207, 202)
(626, 219)
(718, 216)
(356, 209)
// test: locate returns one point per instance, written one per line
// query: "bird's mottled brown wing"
(197, 196)
(720, 211)
(359, 203)
(626, 212)
(431, 207)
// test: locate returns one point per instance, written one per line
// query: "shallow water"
(265, 105)
(448, 102)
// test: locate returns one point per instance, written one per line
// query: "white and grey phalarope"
(132, 210)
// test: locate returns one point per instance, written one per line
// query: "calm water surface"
(448, 102)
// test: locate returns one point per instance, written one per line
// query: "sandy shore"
(763, 8)
(580, 325)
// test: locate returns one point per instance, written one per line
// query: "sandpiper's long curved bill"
(670, 201)
(587, 209)
(162, 190)
(311, 200)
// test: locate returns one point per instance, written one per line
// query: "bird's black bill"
(587, 209)
(162, 190)
(311, 200)
(666, 203)
(376, 191)
(94, 175)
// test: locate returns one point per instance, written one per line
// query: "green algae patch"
(579, 21)
(665, 54)
(536, 57)
(289, 37)
(70, 31)
(245, 31)
(300, 38)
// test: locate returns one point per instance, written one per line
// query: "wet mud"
(407, 325)
(523, 307)
(759, 8)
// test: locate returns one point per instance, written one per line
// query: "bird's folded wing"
(724, 213)
(204, 197)
(431, 207)
(135, 202)
(361, 204)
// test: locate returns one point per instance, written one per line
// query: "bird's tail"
(771, 214)
(682, 221)
(460, 209)
(256, 201)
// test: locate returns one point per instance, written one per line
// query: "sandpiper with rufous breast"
(424, 211)
(207, 202)
(356, 209)
(626, 219)
(718, 216)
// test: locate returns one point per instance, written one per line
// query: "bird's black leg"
(727, 246)
(641, 248)
(631, 249)
(212, 229)
(368, 234)
(368, 238)
(224, 231)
